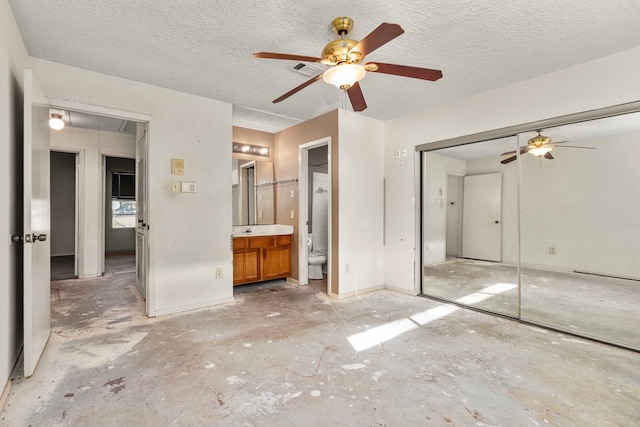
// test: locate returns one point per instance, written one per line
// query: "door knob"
(497, 222)
(39, 237)
(16, 238)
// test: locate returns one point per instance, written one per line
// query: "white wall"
(585, 204)
(605, 82)
(435, 213)
(91, 145)
(13, 57)
(361, 171)
(189, 233)
(63, 203)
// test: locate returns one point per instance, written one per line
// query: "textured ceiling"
(205, 47)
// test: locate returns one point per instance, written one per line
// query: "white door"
(141, 210)
(37, 248)
(482, 220)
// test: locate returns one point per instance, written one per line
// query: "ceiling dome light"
(540, 151)
(343, 76)
(55, 122)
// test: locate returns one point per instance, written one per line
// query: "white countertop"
(261, 230)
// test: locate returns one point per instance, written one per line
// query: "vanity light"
(257, 150)
(55, 120)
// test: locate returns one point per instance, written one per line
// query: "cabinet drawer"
(283, 240)
(262, 242)
(240, 242)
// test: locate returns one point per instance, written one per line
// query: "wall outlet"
(175, 186)
(346, 268)
(552, 250)
(397, 153)
(293, 194)
(293, 214)
(218, 272)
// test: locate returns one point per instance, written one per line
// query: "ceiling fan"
(345, 55)
(540, 146)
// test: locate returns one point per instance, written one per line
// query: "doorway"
(315, 214)
(120, 215)
(455, 191)
(64, 219)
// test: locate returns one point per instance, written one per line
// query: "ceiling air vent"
(308, 69)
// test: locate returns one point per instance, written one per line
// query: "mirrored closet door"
(542, 226)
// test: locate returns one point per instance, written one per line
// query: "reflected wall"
(568, 227)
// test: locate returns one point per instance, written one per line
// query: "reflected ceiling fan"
(540, 146)
(345, 56)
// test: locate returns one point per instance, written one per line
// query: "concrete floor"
(595, 306)
(282, 355)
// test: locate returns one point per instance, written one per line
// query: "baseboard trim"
(359, 292)
(405, 291)
(192, 307)
(5, 394)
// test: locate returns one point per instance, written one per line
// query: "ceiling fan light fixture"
(540, 151)
(343, 76)
(55, 119)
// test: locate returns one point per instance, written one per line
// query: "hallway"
(282, 355)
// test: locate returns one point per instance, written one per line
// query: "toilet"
(316, 260)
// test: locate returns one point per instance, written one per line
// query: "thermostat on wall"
(188, 187)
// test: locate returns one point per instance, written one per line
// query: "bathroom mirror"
(252, 192)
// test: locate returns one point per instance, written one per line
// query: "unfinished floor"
(590, 305)
(282, 355)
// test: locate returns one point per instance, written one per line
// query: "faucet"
(247, 230)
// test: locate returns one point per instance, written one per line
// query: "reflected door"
(481, 224)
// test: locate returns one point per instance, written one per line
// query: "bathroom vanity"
(261, 253)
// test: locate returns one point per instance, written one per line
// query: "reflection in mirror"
(470, 231)
(580, 230)
(252, 192)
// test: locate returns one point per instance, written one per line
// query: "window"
(123, 203)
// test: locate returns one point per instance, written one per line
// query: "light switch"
(293, 194)
(188, 187)
(177, 166)
(293, 214)
(175, 186)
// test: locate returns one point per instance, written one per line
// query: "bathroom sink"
(261, 230)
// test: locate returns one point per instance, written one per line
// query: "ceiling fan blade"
(572, 146)
(508, 152)
(272, 55)
(548, 156)
(378, 37)
(406, 71)
(297, 88)
(508, 160)
(357, 98)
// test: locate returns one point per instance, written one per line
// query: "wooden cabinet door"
(246, 266)
(277, 262)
